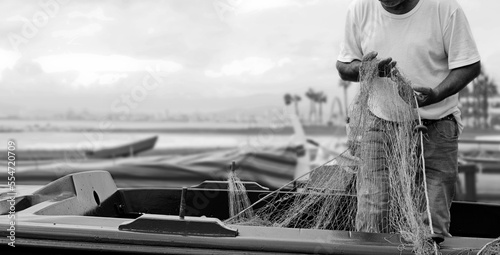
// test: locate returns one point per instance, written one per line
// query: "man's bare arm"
(349, 71)
(456, 80)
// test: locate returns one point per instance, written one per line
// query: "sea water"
(69, 135)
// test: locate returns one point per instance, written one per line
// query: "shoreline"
(287, 130)
(309, 130)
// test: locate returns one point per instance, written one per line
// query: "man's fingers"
(384, 62)
(392, 64)
(393, 70)
(384, 67)
(371, 55)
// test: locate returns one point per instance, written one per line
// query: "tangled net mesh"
(491, 248)
(386, 162)
(237, 198)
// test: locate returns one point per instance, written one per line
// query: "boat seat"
(75, 194)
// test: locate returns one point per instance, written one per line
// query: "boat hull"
(86, 212)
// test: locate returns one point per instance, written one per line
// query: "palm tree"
(321, 99)
(296, 100)
(311, 95)
(345, 84)
(484, 87)
(467, 106)
(288, 99)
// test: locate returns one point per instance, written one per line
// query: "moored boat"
(125, 150)
(86, 212)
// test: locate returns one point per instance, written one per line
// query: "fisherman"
(433, 45)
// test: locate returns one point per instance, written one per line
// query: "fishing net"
(491, 248)
(238, 198)
(374, 186)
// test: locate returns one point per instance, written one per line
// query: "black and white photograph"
(250, 127)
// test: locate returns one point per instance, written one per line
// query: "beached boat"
(272, 167)
(86, 212)
(124, 150)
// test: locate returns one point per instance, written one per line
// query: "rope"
(429, 215)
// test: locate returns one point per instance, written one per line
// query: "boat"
(86, 212)
(125, 150)
(273, 167)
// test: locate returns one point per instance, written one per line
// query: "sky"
(181, 55)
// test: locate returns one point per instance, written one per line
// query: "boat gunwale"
(250, 238)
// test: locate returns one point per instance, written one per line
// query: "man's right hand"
(385, 65)
(350, 71)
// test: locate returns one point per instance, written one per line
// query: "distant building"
(494, 111)
(471, 113)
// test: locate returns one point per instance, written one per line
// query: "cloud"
(263, 46)
(8, 59)
(73, 34)
(261, 5)
(263, 51)
(27, 77)
(248, 66)
(91, 69)
(95, 14)
(91, 78)
(102, 63)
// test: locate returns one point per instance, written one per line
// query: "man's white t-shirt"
(427, 42)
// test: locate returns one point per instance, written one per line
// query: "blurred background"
(136, 86)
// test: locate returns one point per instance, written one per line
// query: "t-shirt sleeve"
(459, 42)
(350, 48)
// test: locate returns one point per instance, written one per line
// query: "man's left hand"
(426, 96)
